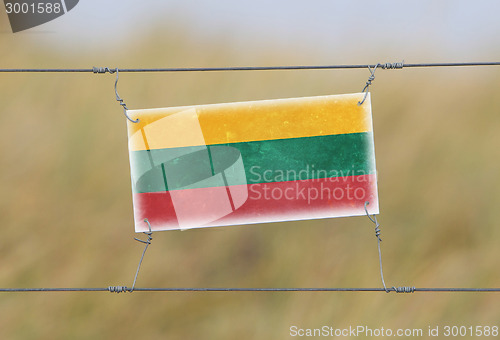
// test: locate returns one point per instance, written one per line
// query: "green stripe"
(264, 161)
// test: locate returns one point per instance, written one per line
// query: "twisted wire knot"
(147, 233)
(118, 289)
(378, 232)
(392, 66)
(403, 289)
(103, 70)
(369, 81)
(118, 99)
(374, 220)
(385, 66)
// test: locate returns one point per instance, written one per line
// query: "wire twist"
(392, 66)
(379, 239)
(377, 234)
(374, 220)
(385, 66)
(122, 289)
(120, 100)
(147, 242)
(368, 83)
(102, 70)
(404, 289)
(117, 289)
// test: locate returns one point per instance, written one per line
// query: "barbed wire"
(398, 65)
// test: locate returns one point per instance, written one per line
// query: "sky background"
(321, 31)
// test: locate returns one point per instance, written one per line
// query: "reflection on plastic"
(182, 170)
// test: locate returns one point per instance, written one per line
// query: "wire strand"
(119, 289)
(249, 68)
(173, 289)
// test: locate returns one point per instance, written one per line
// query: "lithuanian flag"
(252, 162)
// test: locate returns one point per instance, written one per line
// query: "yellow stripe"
(249, 121)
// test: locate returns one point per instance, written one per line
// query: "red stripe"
(266, 202)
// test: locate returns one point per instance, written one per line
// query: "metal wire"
(379, 239)
(118, 98)
(147, 243)
(173, 289)
(365, 90)
(251, 68)
(123, 289)
(120, 289)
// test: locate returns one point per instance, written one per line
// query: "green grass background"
(66, 209)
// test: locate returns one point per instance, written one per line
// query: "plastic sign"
(252, 162)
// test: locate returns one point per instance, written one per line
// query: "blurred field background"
(66, 209)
